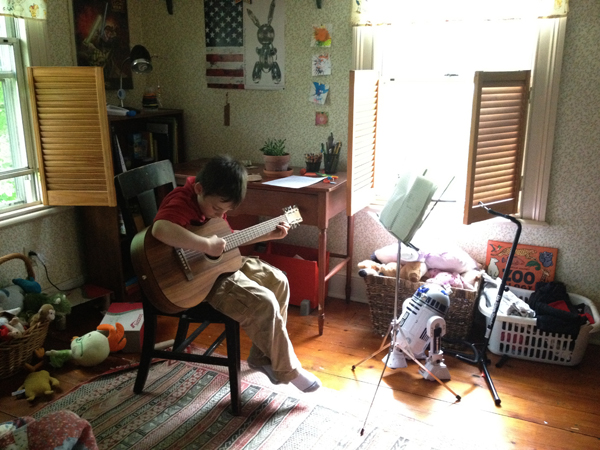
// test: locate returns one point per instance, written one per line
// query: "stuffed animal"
(116, 336)
(16, 323)
(39, 356)
(38, 383)
(32, 303)
(45, 314)
(369, 267)
(11, 298)
(413, 271)
(88, 350)
(28, 285)
(9, 331)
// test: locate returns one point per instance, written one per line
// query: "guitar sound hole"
(212, 258)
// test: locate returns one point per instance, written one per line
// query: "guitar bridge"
(185, 266)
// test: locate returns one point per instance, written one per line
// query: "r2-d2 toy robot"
(421, 323)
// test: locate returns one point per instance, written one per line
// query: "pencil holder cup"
(330, 162)
(313, 166)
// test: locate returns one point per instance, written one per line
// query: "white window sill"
(30, 213)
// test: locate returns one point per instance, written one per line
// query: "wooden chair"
(139, 193)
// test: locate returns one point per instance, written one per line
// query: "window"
(426, 96)
(19, 186)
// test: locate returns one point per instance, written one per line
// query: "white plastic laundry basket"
(518, 337)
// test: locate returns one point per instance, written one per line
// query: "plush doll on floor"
(39, 383)
(88, 350)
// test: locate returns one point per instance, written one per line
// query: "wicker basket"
(380, 291)
(14, 354)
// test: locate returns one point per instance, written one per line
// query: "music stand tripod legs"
(480, 357)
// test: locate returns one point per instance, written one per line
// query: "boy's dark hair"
(224, 177)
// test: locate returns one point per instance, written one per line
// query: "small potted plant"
(275, 157)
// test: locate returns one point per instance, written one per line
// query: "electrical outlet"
(34, 256)
(41, 257)
(27, 252)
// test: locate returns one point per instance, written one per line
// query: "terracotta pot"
(276, 163)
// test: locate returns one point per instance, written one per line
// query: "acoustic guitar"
(176, 279)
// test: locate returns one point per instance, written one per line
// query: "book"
(166, 126)
(138, 146)
(118, 160)
(164, 145)
(531, 264)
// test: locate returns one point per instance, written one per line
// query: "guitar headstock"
(292, 215)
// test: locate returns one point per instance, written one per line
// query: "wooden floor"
(544, 406)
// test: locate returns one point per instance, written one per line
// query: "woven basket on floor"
(380, 292)
(14, 354)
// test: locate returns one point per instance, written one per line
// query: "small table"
(317, 204)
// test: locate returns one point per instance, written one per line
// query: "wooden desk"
(317, 205)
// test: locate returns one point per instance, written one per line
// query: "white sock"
(306, 381)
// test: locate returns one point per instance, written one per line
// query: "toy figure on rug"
(38, 383)
(88, 350)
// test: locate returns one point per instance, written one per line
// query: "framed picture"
(101, 33)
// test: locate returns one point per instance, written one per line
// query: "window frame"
(539, 139)
(28, 38)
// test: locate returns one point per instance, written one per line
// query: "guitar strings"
(236, 239)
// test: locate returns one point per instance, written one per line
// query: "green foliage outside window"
(8, 193)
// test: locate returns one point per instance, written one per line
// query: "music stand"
(479, 358)
(402, 216)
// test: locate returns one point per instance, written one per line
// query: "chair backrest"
(140, 191)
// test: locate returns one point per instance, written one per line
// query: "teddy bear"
(38, 383)
(412, 271)
(370, 267)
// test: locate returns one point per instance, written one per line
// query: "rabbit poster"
(264, 48)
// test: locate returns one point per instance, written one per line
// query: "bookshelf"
(146, 137)
(107, 250)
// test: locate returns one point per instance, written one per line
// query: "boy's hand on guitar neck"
(278, 233)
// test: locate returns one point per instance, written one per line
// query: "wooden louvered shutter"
(498, 129)
(362, 128)
(72, 136)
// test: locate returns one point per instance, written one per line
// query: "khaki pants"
(257, 297)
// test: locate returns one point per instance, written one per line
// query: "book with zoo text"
(530, 263)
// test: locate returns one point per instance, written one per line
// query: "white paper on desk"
(294, 181)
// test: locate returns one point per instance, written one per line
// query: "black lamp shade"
(140, 59)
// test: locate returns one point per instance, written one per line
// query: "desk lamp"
(140, 63)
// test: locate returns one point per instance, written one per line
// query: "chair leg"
(150, 325)
(234, 364)
(182, 331)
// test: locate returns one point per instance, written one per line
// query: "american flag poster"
(245, 44)
(224, 44)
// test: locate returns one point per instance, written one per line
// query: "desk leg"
(349, 251)
(323, 269)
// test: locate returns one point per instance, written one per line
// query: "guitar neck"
(244, 236)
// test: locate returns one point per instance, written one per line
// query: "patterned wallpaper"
(178, 40)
